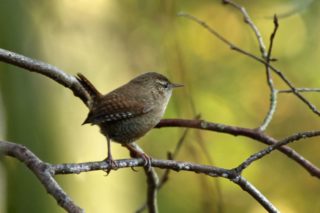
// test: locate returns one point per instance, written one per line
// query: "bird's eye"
(166, 85)
(163, 84)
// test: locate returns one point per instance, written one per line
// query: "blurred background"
(112, 41)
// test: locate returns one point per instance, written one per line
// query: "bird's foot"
(137, 152)
(147, 161)
(112, 164)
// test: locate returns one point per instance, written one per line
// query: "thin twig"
(244, 52)
(171, 156)
(219, 196)
(300, 90)
(152, 182)
(273, 34)
(42, 171)
(182, 69)
(266, 56)
(273, 91)
(246, 132)
(269, 149)
(249, 21)
(165, 176)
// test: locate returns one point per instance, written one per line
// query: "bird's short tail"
(88, 86)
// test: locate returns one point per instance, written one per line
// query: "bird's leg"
(109, 159)
(136, 152)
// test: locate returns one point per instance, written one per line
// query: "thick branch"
(48, 70)
(248, 187)
(45, 171)
(42, 172)
(172, 165)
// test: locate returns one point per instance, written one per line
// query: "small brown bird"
(130, 111)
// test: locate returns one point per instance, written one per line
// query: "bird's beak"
(173, 85)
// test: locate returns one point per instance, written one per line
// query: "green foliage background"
(112, 41)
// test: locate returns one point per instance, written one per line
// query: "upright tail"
(88, 86)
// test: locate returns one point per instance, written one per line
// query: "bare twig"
(269, 149)
(273, 91)
(244, 52)
(265, 55)
(42, 172)
(273, 34)
(249, 21)
(152, 187)
(240, 131)
(152, 179)
(206, 189)
(296, 92)
(171, 156)
(248, 187)
(165, 177)
(300, 90)
(219, 36)
(152, 182)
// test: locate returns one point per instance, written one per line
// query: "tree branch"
(273, 90)
(165, 177)
(45, 171)
(250, 55)
(47, 70)
(254, 192)
(42, 171)
(172, 165)
(177, 166)
(152, 191)
(246, 132)
(300, 90)
(254, 28)
(269, 149)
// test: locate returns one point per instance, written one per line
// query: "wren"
(130, 111)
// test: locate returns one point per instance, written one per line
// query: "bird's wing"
(115, 107)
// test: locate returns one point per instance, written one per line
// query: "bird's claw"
(147, 161)
(112, 164)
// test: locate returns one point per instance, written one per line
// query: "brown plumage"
(130, 111)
